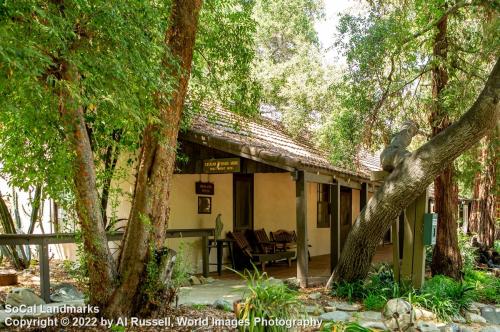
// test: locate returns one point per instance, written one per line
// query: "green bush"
(443, 296)
(343, 327)
(486, 286)
(374, 302)
(267, 300)
(468, 252)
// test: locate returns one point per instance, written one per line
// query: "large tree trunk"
(412, 177)
(446, 258)
(97, 255)
(149, 214)
(484, 204)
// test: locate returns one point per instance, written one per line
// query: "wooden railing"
(43, 241)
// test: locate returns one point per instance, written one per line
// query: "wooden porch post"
(301, 211)
(363, 197)
(334, 225)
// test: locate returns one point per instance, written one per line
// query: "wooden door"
(242, 201)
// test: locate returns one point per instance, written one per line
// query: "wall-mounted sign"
(225, 165)
(204, 188)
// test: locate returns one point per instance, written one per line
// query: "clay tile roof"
(263, 139)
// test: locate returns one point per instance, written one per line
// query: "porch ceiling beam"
(237, 149)
(318, 178)
(348, 183)
(302, 246)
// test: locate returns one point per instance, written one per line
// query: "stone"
(427, 327)
(292, 283)
(202, 280)
(209, 280)
(398, 314)
(424, 314)
(222, 304)
(491, 314)
(314, 296)
(475, 308)
(373, 325)
(465, 329)
(313, 310)
(450, 328)
(475, 318)
(329, 308)
(370, 315)
(458, 319)
(336, 316)
(26, 296)
(66, 292)
(344, 306)
(194, 280)
(274, 281)
(490, 328)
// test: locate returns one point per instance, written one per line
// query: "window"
(323, 214)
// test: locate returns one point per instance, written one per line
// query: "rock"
(274, 281)
(424, 314)
(450, 328)
(336, 316)
(475, 307)
(209, 280)
(373, 325)
(292, 283)
(370, 315)
(329, 309)
(314, 296)
(427, 327)
(202, 280)
(344, 306)
(398, 314)
(66, 292)
(475, 318)
(19, 296)
(490, 328)
(491, 314)
(464, 329)
(222, 304)
(458, 319)
(194, 280)
(313, 310)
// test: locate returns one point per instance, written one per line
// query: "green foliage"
(343, 327)
(486, 286)
(267, 300)
(443, 296)
(183, 267)
(468, 252)
(374, 302)
(379, 286)
(388, 48)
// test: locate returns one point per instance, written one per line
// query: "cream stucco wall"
(274, 201)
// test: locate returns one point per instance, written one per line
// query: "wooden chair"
(286, 240)
(262, 240)
(247, 251)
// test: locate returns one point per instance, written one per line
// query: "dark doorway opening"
(242, 202)
(345, 214)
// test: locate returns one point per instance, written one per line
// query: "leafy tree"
(422, 60)
(82, 82)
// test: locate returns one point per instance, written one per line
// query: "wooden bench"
(286, 240)
(257, 257)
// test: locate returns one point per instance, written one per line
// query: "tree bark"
(98, 257)
(446, 258)
(150, 207)
(412, 177)
(484, 204)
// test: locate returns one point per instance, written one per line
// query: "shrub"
(267, 300)
(343, 327)
(486, 286)
(468, 252)
(374, 302)
(443, 296)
